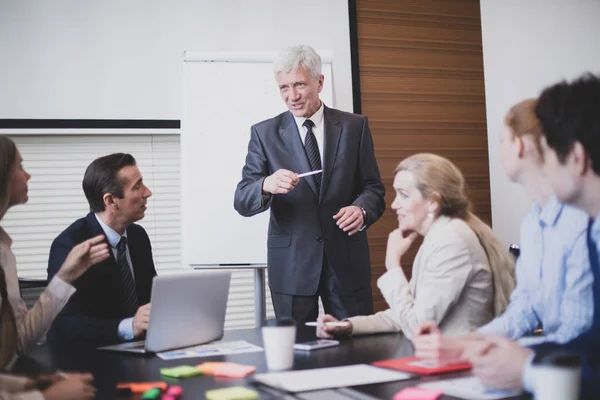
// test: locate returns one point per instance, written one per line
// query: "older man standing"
(317, 244)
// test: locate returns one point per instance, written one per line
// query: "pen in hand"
(340, 323)
(318, 171)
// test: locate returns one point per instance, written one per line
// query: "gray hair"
(290, 58)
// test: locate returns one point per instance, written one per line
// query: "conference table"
(110, 368)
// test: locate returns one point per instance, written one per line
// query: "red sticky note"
(418, 366)
(418, 394)
(233, 370)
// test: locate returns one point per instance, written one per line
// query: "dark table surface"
(110, 368)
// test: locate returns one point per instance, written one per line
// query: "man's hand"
(349, 219)
(329, 332)
(397, 245)
(498, 362)
(141, 319)
(281, 182)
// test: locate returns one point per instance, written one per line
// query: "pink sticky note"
(233, 370)
(411, 393)
(208, 368)
(175, 391)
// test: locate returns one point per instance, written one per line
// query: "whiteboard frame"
(242, 56)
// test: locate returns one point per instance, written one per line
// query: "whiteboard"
(224, 94)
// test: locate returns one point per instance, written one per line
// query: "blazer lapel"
(291, 138)
(332, 135)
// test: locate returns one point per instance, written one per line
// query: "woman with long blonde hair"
(462, 275)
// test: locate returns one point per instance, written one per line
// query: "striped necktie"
(312, 151)
(129, 295)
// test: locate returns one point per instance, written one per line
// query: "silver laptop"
(187, 309)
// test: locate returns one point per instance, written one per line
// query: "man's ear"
(109, 201)
(320, 83)
(579, 159)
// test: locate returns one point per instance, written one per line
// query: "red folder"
(418, 366)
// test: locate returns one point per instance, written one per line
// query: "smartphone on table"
(316, 344)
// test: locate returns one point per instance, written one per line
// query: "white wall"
(528, 45)
(122, 58)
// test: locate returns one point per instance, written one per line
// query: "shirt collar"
(548, 216)
(5, 239)
(111, 235)
(316, 118)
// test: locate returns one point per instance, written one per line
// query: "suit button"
(319, 239)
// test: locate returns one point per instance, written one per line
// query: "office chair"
(514, 250)
(31, 289)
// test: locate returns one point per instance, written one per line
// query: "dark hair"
(569, 113)
(102, 176)
(8, 154)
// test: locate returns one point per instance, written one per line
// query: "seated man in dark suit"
(112, 299)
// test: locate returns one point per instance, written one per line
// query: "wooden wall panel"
(422, 87)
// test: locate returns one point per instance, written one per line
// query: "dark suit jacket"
(302, 225)
(94, 312)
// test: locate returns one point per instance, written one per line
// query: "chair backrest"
(514, 250)
(31, 289)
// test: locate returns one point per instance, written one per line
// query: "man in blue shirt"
(570, 116)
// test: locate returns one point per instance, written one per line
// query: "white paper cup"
(279, 337)
(557, 377)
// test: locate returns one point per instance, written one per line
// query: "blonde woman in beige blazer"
(462, 275)
(20, 327)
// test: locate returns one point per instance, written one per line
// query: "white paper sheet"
(469, 388)
(213, 349)
(327, 378)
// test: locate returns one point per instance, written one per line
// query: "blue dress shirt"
(587, 345)
(554, 279)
